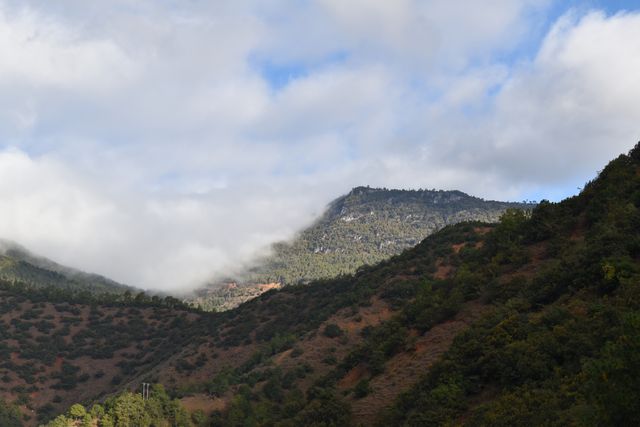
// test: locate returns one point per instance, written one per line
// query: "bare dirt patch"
(443, 271)
(482, 230)
(204, 403)
(458, 246)
(404, 370)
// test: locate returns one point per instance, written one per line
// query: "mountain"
(18, 264)
(531, 321)
(363, 227)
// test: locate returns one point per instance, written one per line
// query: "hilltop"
(363, 227)
(17, 264)
(531, 321)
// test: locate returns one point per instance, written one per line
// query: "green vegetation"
(364, 227)
(562, 346)
(9, 415)
(531, 321)
(559, 343)
(50, 338)
(19, 265)
(130, 410)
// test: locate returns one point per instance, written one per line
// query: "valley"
(319, 213)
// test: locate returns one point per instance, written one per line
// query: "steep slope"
(369, 225)
(18, 264)
(533, 321)
(363, 227)
(562, 346)
(58, 347)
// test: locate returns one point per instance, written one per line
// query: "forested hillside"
(59, 346)
(363, 227)
(533, 321)
(19, 265)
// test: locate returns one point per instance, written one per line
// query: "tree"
(612, 383)
(328, 411)
(332, 330)
(97, 411)
(198, 417)
(9, 415)
(107, 421)
(129, 411)
(60, 421)
(77, 411)
(362, 389)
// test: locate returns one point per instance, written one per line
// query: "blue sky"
(161, 143)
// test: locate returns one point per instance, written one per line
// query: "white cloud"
(37, 51)
(573, 107)
(159, 241)
(144, 140)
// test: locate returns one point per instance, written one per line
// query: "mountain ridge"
(364, 226)
(530, 321)
(20, 264)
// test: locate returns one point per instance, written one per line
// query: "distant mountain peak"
(364, 226)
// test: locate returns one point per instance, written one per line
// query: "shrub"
(77, 411)
(332, 330)
(362, 389)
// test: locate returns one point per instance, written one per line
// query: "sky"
(163, 142)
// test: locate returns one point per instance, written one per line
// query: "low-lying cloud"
(163, 144)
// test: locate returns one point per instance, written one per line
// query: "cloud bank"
(162, 143)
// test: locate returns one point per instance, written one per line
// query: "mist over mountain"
(530, 321)
(186, 241)
(175, 141)
(363, 227)
(17, 264)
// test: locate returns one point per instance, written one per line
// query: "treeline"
(16, 264)
(131, 410)
(80, 296)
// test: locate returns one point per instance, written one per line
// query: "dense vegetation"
(367, 226)
(559, 343)
(364, 227)
(562, 346)
(264, 394)
(10, 415)
(533, 321)
(130, 409)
